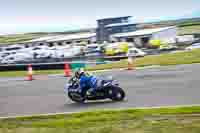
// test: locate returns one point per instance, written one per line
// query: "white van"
(12, 48)
(19, 57)
(38, 51)
(4, 54)
(136, 52)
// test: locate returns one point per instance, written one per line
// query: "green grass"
(162, 120)
(188, 57)
(24, 73)
(193, 29)
(11, 39)
(189, 24)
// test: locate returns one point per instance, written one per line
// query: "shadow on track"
(92, 103)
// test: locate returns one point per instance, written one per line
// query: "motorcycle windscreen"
(66, 88)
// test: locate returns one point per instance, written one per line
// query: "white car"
(135, 52)
(4, 54)
(58, 54)
(43, 53)
(12, 48)
(38, 51)
(19, 57)
(1, 49)
(193, 46)
(166, 47)
(34, 49)
(1, 58)
(92, 48)
(74, 51)
(66, 51)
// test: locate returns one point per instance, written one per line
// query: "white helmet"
(81, 70)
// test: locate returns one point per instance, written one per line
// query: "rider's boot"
(91, 91)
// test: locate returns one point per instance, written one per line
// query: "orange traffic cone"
(30, 73)
(130, 64)
(67, 70)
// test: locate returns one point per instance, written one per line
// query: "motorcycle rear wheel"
(118, 94)
(77, 100)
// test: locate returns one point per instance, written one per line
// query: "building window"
(125, 29)
(109, 29)
(101, 23)
(68, 42)
(51, 44)
(60, 43)
(124, 21)
(26, 46)
(130, 39)
(145, 40)
(78, 41)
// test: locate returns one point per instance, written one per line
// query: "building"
(111, 29)
(64, 39)
(87, 38)
(106, 28)
(41, 40)
(109, 26)
(142, 37)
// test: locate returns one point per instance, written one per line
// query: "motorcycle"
(109, 89)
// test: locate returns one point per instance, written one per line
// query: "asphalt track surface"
(164, 86)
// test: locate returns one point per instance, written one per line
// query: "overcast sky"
(58, 15)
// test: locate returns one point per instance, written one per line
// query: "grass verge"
(24, 73)
(189, 29)
(187, 57)
(161, 120)
(18, 38)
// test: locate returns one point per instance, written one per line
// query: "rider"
(86, 82)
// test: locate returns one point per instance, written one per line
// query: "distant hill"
(176, 22)
(188, 18)
(20, 38)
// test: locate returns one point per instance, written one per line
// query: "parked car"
(1, 58)
(58, 53)
(193, 46)
(13, 48)
(74, 51)
(136, 52)
(10, 50)
(4, 54)
(93, 48)
(118, 48)
(60, 47)
(43, 53)
(15, 58)
(38, 51)
(166, 47)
